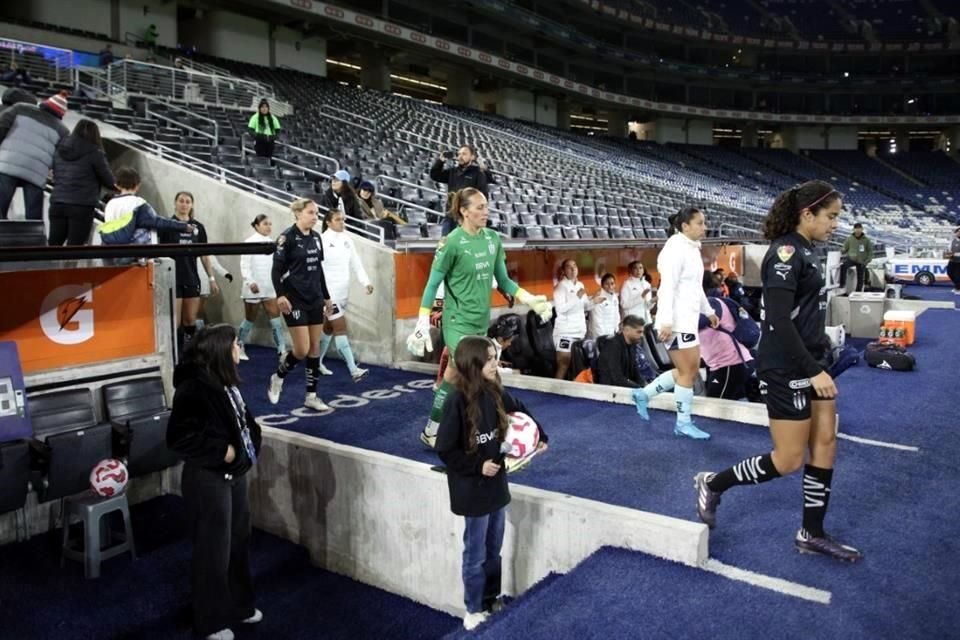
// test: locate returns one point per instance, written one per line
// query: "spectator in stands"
(150, 36)
(213, 431)
(265, 127)
(371, 207)
(258, 288)
(469, 440)
(341, 196)
(571, 302)
(15, 95)
(605, 314)
(636, 295)
(128, 219)
(681, 302)
(187, 304)
(953, 266)
(29, 136)
(80, 170)
(14, 74)
(799, 392)
(467, 173)
(340, 261)
(726, 357)
(857, 252)
(616, 362)
(106, 56)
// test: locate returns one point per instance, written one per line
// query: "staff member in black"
(799, 393)
(302, 297)
(187, 305)
(467, 173)
(212, 429)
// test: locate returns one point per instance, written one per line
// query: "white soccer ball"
(523, 435)
(109, 477)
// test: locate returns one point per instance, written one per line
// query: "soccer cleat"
(223, 634)
(276, 386)
(281, 356)
(428, 440)
(315, 403)
(323, 370)
(707, 500)
(641, 400)
(472, 620)
(359, 374)
(826, 546)
(690, 430)
(243, 354)
(255, 618)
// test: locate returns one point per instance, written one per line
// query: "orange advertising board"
(60, 318)
(536, 269)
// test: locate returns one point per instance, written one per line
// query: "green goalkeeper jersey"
(467, 263)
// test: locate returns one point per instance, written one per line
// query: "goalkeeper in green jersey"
(466, 262)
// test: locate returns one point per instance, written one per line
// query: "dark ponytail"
(260, 218)
(684, 216)
(784, 216)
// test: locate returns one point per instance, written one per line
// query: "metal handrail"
(336, 163)
(411, 184)
(430, 212)
(216, 127)
(327, 105)
(345, 121)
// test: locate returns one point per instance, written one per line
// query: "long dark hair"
(192, 201)
(470, 357)
(684, 216)
(89, 131)
(211, 350)
(460, 200)
(265, 120)
(784, 216)
(328, 216)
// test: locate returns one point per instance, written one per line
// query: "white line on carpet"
(768, 582)
(879, 443)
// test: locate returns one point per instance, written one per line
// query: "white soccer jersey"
(681, 297)
(570, 307)
(257, 268)
(340, 258)
(633, 300)
(605, 316)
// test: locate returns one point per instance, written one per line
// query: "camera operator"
(469, 172)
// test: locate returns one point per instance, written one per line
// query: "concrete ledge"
(733, 410)
(386, 521)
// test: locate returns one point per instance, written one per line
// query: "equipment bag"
(889, 356)
(540, 339)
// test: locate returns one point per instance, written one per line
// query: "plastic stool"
(90, 509)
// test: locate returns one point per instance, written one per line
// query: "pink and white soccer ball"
(109, 477)
(523, 434)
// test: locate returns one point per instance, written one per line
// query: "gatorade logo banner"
(72, 317)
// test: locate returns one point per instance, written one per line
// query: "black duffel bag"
(884, 355)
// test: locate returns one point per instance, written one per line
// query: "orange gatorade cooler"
(907, 319)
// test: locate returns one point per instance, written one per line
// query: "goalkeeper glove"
(419, 341)
(539, 304)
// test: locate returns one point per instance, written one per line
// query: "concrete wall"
(96, 16)
(137, 15)
(226, 212)
(516, 104)
(293, 50)
(700, 132)
(228, 35)
(844, 138)
(380, 519)
(810, 137)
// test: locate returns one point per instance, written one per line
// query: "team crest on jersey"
(491, 248)
(281, 240)
(785, 252)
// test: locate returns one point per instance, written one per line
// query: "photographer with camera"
(469, 172)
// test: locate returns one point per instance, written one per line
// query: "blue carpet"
(148, 598)
(941, 292)
(899, 507)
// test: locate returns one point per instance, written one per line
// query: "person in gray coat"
(80, 169)
(29, 135)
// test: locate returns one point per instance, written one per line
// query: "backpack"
(746, 331)
(893, 357)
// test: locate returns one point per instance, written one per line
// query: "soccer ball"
(523, 434)
(109, 477)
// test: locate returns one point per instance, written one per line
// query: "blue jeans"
(32, 197)
(482, 539)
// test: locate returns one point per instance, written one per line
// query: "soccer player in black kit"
(302, 298)
(799, 393)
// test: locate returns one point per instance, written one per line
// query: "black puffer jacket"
(202, 423)
(80, 168)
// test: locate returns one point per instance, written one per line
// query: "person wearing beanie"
(265, 126)
(371, 207)
(29, 136)
(340, 195)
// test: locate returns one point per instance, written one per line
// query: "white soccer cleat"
(315, 403)
(243, 354)
(472, 620)
(323, 370)
(276, 386)
(359, 374)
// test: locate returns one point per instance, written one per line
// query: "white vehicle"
(923, 271)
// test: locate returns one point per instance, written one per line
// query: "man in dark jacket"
(16, 95)
(29, 136)
(616, 364)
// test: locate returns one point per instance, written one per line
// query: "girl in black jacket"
(80, 170)
(469, 441)
(218, 438)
